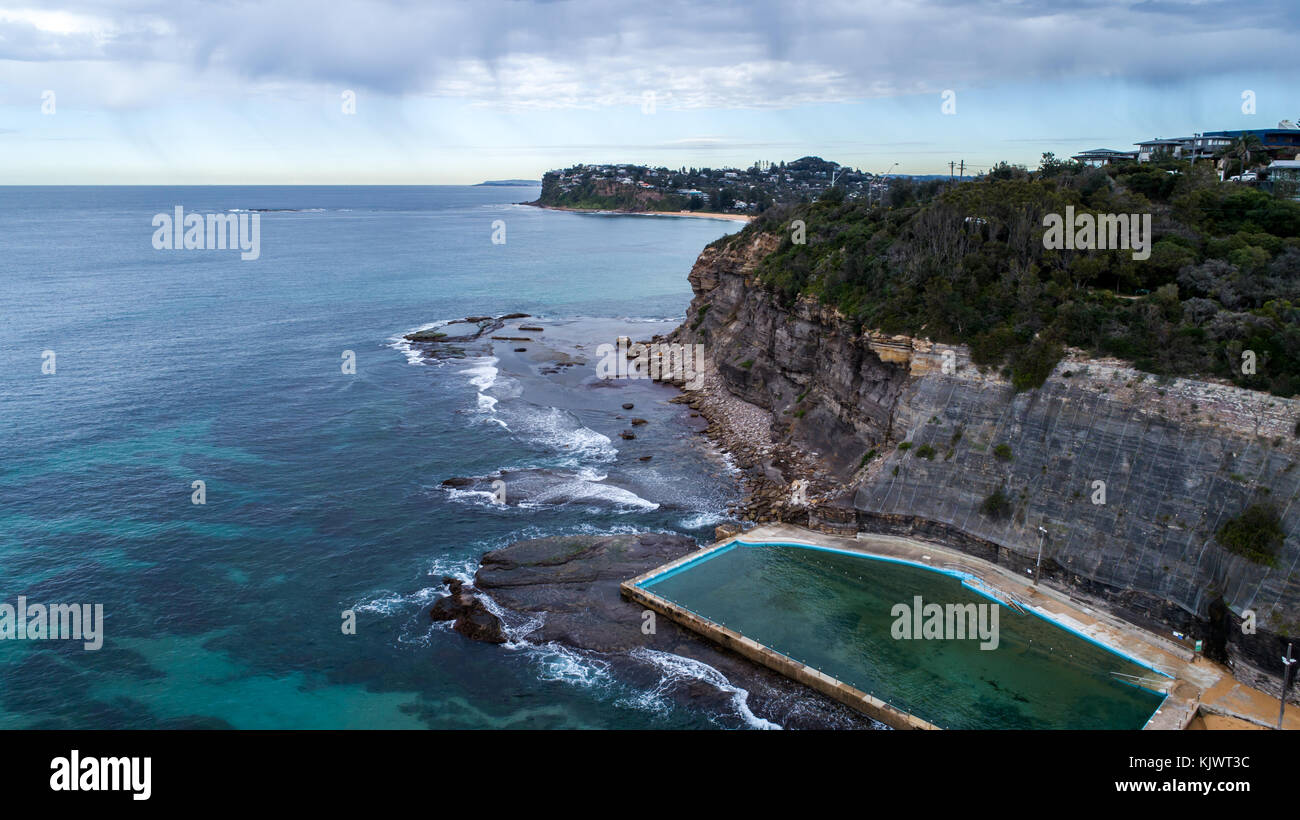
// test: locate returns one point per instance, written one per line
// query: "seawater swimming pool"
(833, 611)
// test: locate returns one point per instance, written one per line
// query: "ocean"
(129, 373)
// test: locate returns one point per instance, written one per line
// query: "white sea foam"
(567, 665)
(483, 372)
(582, 491)
(701, 519)
(407, 348)
(538, 489)
(479, 497)
(517, 626)
(561, 432)
(389, 603)
(674, 669)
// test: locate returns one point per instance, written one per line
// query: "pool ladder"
(1149, 682)
(978, 583)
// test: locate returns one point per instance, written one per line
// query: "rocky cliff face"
(1129, 475)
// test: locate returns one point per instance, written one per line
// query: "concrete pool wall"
(863, 702)
(1183, 676)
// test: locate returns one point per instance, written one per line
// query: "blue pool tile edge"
(964, 577)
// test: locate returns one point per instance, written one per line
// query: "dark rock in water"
(521, 350)
(512, 338)
(531, 328)
(514, 316)
(628, 405)
(448, 608)
(573, 582)
(457, 482)
(628, 434)
(645, 458)
(425, 336)
(469, 615)
(637, 422)
(479, 624)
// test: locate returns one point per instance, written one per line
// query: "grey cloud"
(591, 53)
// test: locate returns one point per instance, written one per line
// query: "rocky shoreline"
(565, 590)
(769, 468)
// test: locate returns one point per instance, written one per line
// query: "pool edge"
(636, 589)
(834, 688)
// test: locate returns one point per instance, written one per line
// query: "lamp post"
(1288, 663)
(1042, 533)
(885, 174)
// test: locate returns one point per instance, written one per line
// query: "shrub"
(905, 446)
(1002, 452)
(997, 505)
(1255, 534)
(1031, 367)
(925, 451)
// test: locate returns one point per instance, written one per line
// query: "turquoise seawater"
(323, 490)
(836, 613)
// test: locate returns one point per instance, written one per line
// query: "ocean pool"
(837, 612)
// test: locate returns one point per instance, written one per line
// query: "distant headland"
(732, 192)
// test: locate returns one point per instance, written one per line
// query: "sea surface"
(323, 489)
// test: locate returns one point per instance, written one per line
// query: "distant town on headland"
(1264, 157)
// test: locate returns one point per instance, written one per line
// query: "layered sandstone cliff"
(1176, 458)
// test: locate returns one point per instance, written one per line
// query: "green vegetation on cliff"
(1256, 534)
(967, 265)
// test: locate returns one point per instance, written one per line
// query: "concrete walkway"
(1196, 683)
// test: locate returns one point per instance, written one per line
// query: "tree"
(1050, 166)
(1244, 147)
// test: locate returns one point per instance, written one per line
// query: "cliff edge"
(1128, 475)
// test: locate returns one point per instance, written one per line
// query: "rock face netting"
(1168, 488)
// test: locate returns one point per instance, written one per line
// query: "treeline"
(601, 194)
(967, 264)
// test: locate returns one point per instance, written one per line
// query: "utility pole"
(884, 175)
(962, 173)
(1042, 533)
(1288, 663)
(951, 165)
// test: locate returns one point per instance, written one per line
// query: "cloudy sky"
(445, 91)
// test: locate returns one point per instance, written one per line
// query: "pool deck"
(1193, 683)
